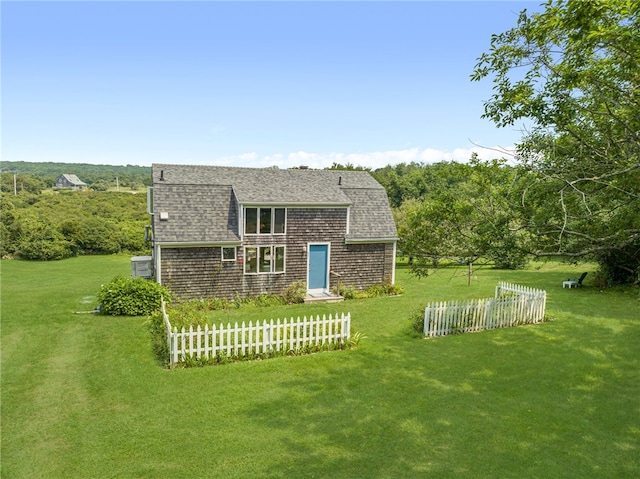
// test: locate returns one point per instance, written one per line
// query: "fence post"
(425, 323)
(167, 327)
(266, 337)
(487, 314)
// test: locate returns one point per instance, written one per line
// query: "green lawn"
(84, 397)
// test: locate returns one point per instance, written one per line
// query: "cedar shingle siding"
(204, 215)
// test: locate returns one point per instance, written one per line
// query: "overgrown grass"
(83, 395)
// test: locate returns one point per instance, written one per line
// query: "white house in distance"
(70, 181)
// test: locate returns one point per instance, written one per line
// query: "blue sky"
(248, 83)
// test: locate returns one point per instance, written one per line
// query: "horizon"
(257, 84)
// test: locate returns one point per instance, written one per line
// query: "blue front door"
(318, 266)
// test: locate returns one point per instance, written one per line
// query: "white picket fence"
(259, 338)
(513, 305)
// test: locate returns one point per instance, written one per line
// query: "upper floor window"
(264, 221)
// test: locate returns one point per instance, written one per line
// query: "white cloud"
(373, 160)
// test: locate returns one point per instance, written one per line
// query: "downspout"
(158, 264)
(393, 265)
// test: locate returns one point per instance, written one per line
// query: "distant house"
(70, 181)
(222, 231)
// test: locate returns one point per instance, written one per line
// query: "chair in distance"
(574, 283)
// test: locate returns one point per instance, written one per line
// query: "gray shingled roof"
(74, 180)
(192, 192)
(196, 214)
(370, 215)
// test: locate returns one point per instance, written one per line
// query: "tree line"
(38, 176)
(444, 212)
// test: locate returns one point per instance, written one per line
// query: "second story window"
(264, 221)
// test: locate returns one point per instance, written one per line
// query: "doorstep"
(322, 297)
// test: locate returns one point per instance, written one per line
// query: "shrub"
(266, 300)
(348, 292)
(600, 279)
(373, 291)
(41, 241)
(384, 289)
(189, 313)
(417, 322)
(295, 292)
(131, 297)
(158, 338)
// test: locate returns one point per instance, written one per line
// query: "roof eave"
(196, 244)
(254, 204)
(386, 239)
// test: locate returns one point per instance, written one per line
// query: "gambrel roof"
(205, 200)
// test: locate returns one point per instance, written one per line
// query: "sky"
(255, 84)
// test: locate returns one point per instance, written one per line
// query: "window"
(228, 253)
(264, 221)
(278, 263)
(278, 221)
(264, 259)
(251, 220)
(250, 260)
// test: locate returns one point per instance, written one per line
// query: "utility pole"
(15, 184)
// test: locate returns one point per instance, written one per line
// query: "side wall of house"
(363, 265)
(61, 182)
(200, 272)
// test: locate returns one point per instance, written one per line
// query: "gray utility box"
(142, 267)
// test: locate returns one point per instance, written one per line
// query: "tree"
(471, 220)
(572, 73)
(54, 226)
(19, 183)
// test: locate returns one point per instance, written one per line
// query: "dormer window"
(264, 221)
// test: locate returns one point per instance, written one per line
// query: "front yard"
(84, 396)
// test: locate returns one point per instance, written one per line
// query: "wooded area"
(445, 213)
(49, 226)
(572, 73)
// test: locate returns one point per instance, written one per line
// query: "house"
(226, 231)
(70, 181)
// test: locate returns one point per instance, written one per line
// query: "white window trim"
(273, 220)
(235, 254)
(273, 260)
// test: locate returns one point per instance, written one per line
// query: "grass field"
(84, 397)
